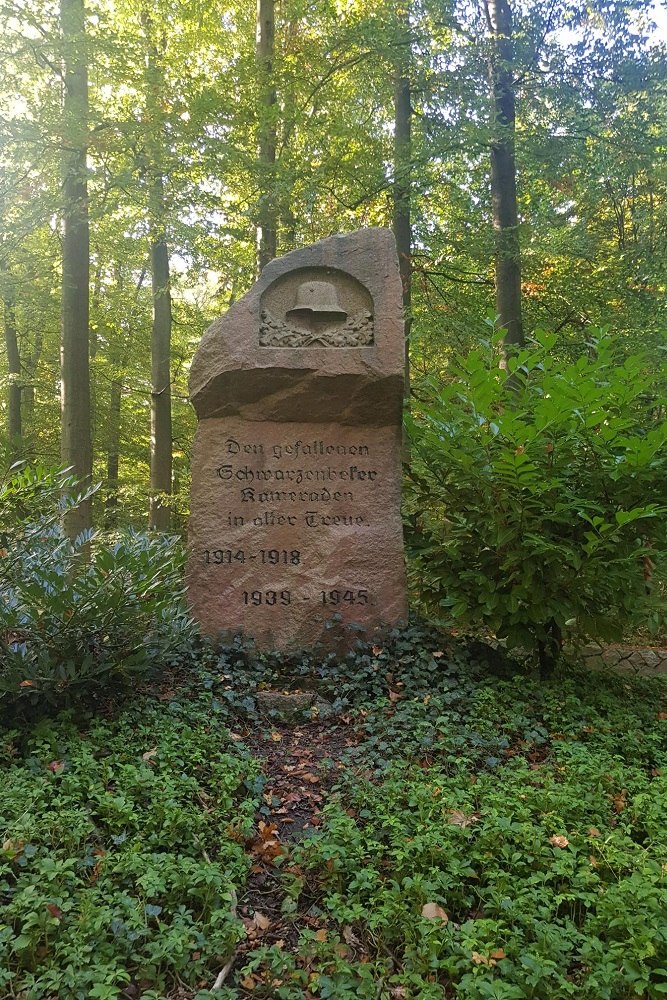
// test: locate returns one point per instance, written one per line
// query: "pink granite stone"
(296, 474)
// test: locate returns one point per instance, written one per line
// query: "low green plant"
(541, 876)
(73, 620)
(121, 852)
(538, 501)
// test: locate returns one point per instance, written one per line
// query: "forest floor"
(433, 824)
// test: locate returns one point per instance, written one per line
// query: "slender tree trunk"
(267, 210)
(402, 182)
(159, 518)
(31, 363)
(76, 447)
(161, 440)
(113, 451)
(14, 426)
(503, 175)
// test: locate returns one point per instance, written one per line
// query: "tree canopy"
(194, 137)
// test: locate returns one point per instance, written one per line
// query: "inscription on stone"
(295, 519)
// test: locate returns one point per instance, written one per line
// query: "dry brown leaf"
(261, 921)
(619, 800)
(434, 912)
(498, 954)
(394, 696)
(458, 818)
(559, 841)
(276, 737)
(349, 937)
(148, 756)
(593, 831)
(436, 654)
(321, 935)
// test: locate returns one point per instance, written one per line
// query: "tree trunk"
(14, 427)
(159, 518)
(161, 443)
(113, 449)
(402, 180)
(267, 210)
(503, 175)
(31, 362)
(76, 447)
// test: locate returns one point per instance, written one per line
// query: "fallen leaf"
(498, 954)
(349, 936)
(434, 912)
(248, 983)
(27, 684)
(662, 716)
(54, 910)
(479, 959)
(436, 654)
(321, 935)
(148, 756)
(377, 650)
(394, 696)
(55, 766)
(619, 800)
(558, 841)
(261, 921)
(593, 831)
(13, 847)
(276, 737)
(458, 818)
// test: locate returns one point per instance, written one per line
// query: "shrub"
(539, 499)
(68, 624)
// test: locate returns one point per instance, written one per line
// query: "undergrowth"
(488, 836)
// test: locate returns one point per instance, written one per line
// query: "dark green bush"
(539, 501)
(70, 625)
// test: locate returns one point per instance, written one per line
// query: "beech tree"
(76, 445)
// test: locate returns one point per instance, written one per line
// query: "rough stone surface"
(647, 661)
(295, 530)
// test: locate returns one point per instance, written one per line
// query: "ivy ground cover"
(452, 829)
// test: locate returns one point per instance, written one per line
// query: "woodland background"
(153, 156)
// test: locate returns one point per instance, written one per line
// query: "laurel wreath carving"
(357, 331)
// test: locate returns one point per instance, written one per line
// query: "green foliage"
(69, 624)
(122, 848)
(540, 499)
(547, 867)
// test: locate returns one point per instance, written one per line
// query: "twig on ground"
(227, 968)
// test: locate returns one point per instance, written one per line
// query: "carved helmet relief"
(302, 309)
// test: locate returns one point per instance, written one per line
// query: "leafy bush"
(69, 624)
(540, 500)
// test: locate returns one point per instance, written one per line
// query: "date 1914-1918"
(332, 598)
(270, 557)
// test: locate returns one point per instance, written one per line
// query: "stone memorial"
(296, 471)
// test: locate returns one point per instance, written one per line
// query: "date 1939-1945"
(331, 598)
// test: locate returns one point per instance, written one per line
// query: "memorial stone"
(296, 473)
